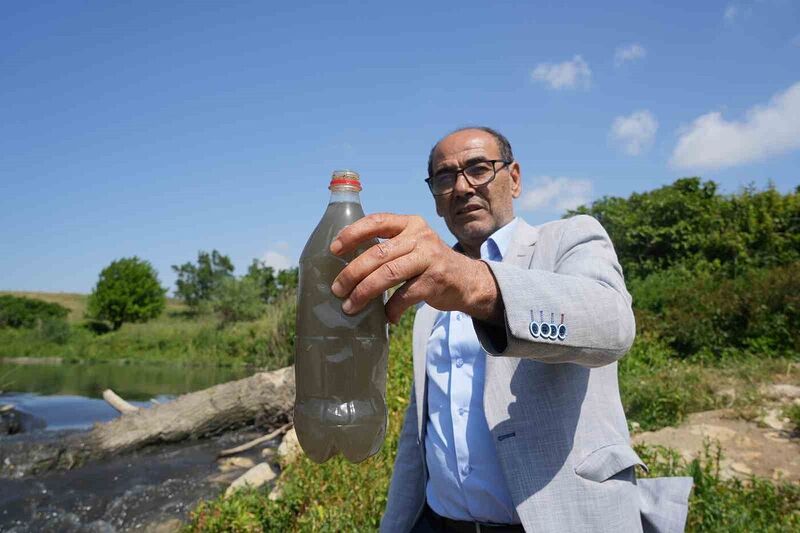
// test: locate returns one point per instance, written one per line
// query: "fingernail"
(347, 306)
(336, 288)
(336, 246)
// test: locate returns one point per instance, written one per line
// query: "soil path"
(767, 447)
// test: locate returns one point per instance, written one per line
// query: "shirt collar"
(496, 246)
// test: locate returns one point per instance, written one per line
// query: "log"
(266, 398)
(118, 403)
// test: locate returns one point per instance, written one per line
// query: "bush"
(128, 291)
(19, 312)
(705, 313)
(236, 300)
(55, 330)
(688, 223)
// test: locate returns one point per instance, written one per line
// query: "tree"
(237, 300)
(196, 283)
(287, 279)
(264, 278)
(128, 291)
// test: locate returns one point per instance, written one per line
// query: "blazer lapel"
(499, 370)
(423, 325)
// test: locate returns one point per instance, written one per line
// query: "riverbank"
(177, 336)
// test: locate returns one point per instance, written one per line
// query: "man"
(515, 419)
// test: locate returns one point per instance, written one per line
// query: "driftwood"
(255, 442)
(118, 403)
(266, 397)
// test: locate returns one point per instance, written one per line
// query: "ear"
(516, 179)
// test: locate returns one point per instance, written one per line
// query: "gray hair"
(502, 143)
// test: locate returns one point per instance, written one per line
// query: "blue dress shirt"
(465, 480)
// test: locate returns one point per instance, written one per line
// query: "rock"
(276, 492)
(774, 419)
(741, 468)
(255, 477)
(233, 463)
(290, 449)
(781, 391)
(268, 453)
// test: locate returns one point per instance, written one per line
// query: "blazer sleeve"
(407, 489)
(586, 286)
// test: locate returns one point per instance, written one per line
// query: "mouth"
(471, 208)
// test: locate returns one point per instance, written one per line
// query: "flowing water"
(154, 486)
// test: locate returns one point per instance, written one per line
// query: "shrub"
(236, 300)
(55, 330)
(128, 291)
(19, 312)
(709, 314)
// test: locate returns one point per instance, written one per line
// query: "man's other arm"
(586, 286)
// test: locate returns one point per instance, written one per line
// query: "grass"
(176, 336)
(658, 389)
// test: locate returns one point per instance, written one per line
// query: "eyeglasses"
(477, 174)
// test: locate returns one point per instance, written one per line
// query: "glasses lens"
(441, 184)
(480, 172)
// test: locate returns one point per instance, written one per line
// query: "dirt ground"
(768, 446)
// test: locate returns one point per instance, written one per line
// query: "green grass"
(658, 388)
(176, 336)
(727, 505)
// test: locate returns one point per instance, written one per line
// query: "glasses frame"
(462, 171)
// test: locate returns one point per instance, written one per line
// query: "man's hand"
(413, 254)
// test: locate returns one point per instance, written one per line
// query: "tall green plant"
(128, 291)
(196, 283)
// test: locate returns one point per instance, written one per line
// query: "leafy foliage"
(20, 312)
(759, 310)
(196, 284)
(128, 291)
(236, 300)
(688, 223)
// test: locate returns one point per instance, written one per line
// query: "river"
(152, 489)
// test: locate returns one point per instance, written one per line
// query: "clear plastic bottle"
(340, 360)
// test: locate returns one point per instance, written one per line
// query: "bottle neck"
(344, 194)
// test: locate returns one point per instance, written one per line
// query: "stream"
(149, 490)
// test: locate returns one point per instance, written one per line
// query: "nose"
(462, 187)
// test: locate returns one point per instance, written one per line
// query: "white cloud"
(571, 74)
(276, 260)
(730, 13)
(635, 133)
(560, 194)
(714, 142)
(632, 52)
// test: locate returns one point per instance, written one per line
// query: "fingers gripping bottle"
(340, 360)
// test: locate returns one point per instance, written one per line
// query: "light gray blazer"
(552, 406)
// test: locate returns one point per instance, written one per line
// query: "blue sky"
(160, 129)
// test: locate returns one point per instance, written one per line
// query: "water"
(69, 396)
(340, 360)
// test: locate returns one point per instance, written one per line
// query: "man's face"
(472, 214)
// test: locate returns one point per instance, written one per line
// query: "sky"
(159, 129)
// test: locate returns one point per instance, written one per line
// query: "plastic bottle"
(340, 360)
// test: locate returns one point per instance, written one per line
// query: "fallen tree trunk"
(266, 398)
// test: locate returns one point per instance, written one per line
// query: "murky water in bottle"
(340, 360)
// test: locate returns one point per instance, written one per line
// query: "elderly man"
(515, 421)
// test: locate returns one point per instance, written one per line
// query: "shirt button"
(458, 316)
(461, 411)
(466, 470)
(459, 362)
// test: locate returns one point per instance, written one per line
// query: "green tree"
(236, 300)
(196, 283)
(287, 279)
(128, 291)
(264, 278)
